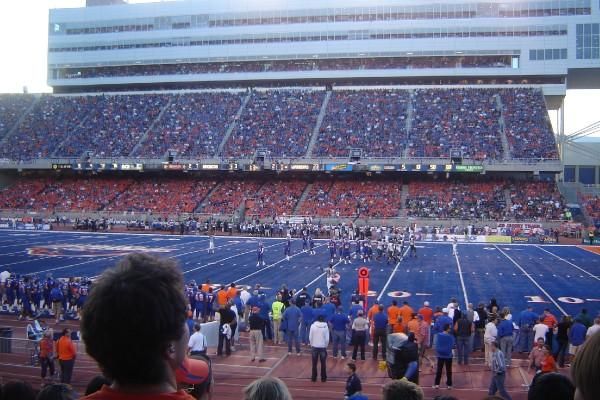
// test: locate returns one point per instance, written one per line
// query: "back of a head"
(17, 390)
(584, 369)
(56, 391)
(133, 313)
(267, 388)
(96, 383)
(402, 389)
(551, 386)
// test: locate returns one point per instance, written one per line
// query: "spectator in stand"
(551, 386)
(526, 322)
(498, 367)
(594, 329)
(66, 352)
(227, 322)
(197, 344)
(353, 384)
(562, 338)
(255, 326)
(550, 321)
(149, 368)
(536, 355)
(576, 336)
(96, 383)
(360, 327)
(489, 337)
(463, 330)
(339, 325)
(291, 319)
(505, 337)
(380, 329)
(585, 370)
(267, 388)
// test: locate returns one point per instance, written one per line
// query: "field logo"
(91, 250)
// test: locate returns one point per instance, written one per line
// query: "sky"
(24, 58)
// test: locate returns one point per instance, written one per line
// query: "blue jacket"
(291, 318)
(444, 345)
(354, 309)
(307, 314)
(339, 322)
(380, 320)
(442, 320)
(528, 318)
(577, 333)
(505, 328)
(329, 309)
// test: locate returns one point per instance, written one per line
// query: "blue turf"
(565, 275)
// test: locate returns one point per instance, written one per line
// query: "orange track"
(593, 249)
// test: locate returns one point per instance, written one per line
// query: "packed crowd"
(372, 198)
(47, 126)
(346, 198)
(275, 198)
(373, 120)
(456, 200)
(283, 122)
(527, 126)
(161, 195)
(462, 119)
(229, 195)
(193, 125)
(535, 200)
(11, 108)
(290, 65)
(592, 206)
(280, 121)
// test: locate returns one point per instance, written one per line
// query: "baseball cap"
(445, 310)
(192, 371)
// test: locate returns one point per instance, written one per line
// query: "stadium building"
(410, 91)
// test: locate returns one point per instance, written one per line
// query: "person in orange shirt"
(406, 312)
(66, 354)
(231, 292)
(47, 355)
(393, 313)
(222, 296)
(413, 326)
(548, 363)
(370, 314)
(205, 286)
(426, 312)
(550, 321)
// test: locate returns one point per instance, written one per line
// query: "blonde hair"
(584, 369)
(267, 388)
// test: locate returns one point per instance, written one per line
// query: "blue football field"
(562, 278)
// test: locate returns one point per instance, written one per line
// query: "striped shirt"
(498, 364)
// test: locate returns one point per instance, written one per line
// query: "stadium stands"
(373, 198)
(11, 108)
(193, 125)
(535, 201)
(464, 119)
(592, 206)
(457, 200)
(373, 120)
(113, 125)
(527, 127)
(279, 121)
(229, 195)
(162, 195)
(276, 198)
(290, 65)
(21, 193)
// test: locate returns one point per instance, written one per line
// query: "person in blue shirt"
(577, 335)
(354, 309)
(328, 309)
(332, 246)
(264, 306)
(311, 245)
(304, 241)
(440, 322)
(260, 253)
(526, 321)
(443, 351)
(339, 324)
(505, 337)
(380, 323)
(287, 250)
(209, 301)
(291, 321)
(307, 320)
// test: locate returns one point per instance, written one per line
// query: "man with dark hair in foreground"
(133, 325)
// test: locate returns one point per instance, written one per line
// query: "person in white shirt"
(592, 330)
(490, 335)
(539, 331)
(197, 343)
(318, 338)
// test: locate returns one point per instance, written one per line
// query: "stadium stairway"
(234, 372)
(61, 145)
(303, 196)
(502, 125)
(156, 120)
(507, 199)
(231, 127)
(202, 203)
(403, 197)
(409, 120)
(11, 131)
(317, 128)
